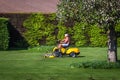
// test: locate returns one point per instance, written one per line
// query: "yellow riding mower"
(72, 52)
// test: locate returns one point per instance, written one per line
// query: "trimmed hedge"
(41, 30)
(97, 39)
(4, 34)
(117, 29)
(88, 35)
(62, 30)
(79, 34)
(35, 27)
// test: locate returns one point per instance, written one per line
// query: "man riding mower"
(63, 49)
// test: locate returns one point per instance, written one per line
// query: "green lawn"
(31, 65)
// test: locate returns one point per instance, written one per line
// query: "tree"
(67, 11)
(104, 12)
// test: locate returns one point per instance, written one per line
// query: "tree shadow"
(16, 40)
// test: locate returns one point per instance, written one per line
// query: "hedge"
(79, 34)
(96, 37)
(4, 34)
(41, 30)
(117, 29)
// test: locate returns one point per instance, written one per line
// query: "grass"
(31, 65)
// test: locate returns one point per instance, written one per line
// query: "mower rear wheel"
(72, 54)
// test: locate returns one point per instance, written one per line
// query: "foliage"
(39, 29)
(96, 65)
(89, 35)
(97, 36)
(34, 25)
(4, 34)
(91, 11)
(69, 10)
(118, 41)
(61, 31)
(42, 49)
(49, 33)
(117, 29)
(79, 31)
(104, 12)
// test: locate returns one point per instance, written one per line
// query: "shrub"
(42, 49)
(49, 33)
(4, 34)
(79, 31)
(117, 29)
(61, 31)
(96, 65)
(118, 41)
(97, 39)
(51, 25)
(40, 29)
(34, 25)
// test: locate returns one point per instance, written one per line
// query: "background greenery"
(117, 28)
(103, 12)
(40, 30)
(4, 34)
(46, 30)
(31, 65)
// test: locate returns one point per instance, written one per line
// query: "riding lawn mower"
(72, 52)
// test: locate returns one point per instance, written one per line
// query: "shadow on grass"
(75, 57)
(80, 56)
(118, 61)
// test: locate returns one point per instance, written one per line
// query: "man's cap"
(66, 35)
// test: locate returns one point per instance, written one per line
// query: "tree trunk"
(112, 45)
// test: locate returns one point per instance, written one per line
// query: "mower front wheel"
(58, 54)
